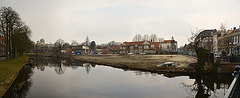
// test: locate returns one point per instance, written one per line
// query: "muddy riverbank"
(141, 62)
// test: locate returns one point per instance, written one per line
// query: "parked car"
(167, 64)
(130, 53)
(143, 53)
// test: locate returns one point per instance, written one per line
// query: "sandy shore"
(140, 62)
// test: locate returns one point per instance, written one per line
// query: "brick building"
(140, 47)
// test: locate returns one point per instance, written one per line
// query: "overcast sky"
(119, 20)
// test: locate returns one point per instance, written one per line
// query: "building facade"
(140, 47)
(113, 49)
(169, 46)
(205, 39)
(44, 48)
(229, 43)
(2, 46)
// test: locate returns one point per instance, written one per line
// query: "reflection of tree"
(74, 67)
(58, 66)
(138, 73)
(87, 66)
(93, 65)
(207, 85)
(21, 85)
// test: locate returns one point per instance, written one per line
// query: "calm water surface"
(52, 78)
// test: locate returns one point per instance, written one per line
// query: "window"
(131, 47)
(136, 45)
(139, 47)
(145, 51)
(123, 47)
(152, 46)
(146, 46)
(131, 51)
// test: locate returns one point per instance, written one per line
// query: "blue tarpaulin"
(78, 53)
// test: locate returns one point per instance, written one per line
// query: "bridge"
(234, 89)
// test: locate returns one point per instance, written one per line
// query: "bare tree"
(153, 38)
(66, 45)
(42, 40)
(59, 45)
(10, 26)
(146, 37)
(87, 42)
(74, 42)
(20, 41)
(137, 38)
(222, 28)
(92, 46)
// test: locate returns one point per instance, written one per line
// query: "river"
(54, 78)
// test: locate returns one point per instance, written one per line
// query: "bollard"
(237, 68)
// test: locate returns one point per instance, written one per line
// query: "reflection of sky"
(104, 82)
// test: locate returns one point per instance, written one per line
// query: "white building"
(169, 45)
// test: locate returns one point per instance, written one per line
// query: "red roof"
(168, 41)
(156, 44)
(101, 47)
(135, 43)
(113, 48)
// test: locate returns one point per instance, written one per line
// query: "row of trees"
(15, 33)
(152, 38)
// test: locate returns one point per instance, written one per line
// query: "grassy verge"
(8, 72)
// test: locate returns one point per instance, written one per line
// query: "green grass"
(9, 70)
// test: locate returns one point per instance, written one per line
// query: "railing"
(232, 87)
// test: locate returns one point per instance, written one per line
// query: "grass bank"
(8, 72)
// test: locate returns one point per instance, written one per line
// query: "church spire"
(172, 38)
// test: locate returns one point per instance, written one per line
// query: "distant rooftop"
(208, 32)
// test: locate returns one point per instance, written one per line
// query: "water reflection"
(60, 65)
(211, 85)
(53, 78)
(21, 85)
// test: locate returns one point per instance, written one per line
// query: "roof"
(137, 43)
(100, 47)
(168, 41)
(207, 32)
(156, 44)
(113, 48)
